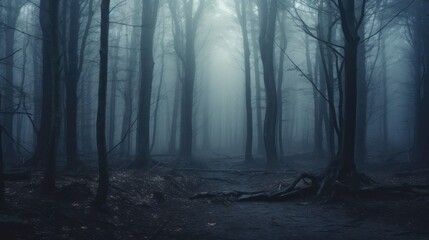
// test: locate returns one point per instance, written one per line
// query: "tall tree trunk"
(71, 86)
(267, 18)
(85, 116)
(8, 101)
(186, 126)
(421, 54)
(384, 92)
(128, 93)
(103, 178)
(342, 168)
(149, 16)
(161, 79)
(241, 10)
(186, 131)
(258, 90)
(173, 129)
(2, 190)
(113, 90)
(362, 101)
(318, 121)
(22, 98)
(283, 46)
(326, 56)
(350, 29)
(37, 89)
(48, 183)
(41, 152)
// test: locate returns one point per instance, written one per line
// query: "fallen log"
(312, 188)
(234, 171)
(233, 194)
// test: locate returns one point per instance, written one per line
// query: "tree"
(267, 21)
(12, 12)
(325, 33)
(103, 179)
(48, 183)
(184, 46)
(161, 80)
(343, 168)
(129, 77)
(173, 129)
(280, 74)
(241, 10)
(71, 85)
(362, 100)
(1, 165)
(257, 73)
(41, 151)
(149, 17)
(419, 35)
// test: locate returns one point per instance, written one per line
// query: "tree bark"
(350, 30)
(283, 46)
(128, 93)
(241, 10)
(362, 101)
(2, 190)
(103, 178)
(8, 101)
(173, 130)
(113, 90)
(267, 19)
(258, 90)
(149, 17)
(420, 34)
(161, 80)
(41, 151)
(184, 32)
(71, 86)
(48, 183)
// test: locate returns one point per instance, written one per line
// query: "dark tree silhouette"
(185, 31)
(419, 32)
(48, 183)
(41, 151)
(71, 85)
(343, 168)
(280, 76)
(103, 178)
(267, 22)
(149, 17)
(241, 10)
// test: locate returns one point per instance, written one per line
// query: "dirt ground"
(156, 205)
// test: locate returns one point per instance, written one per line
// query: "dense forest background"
(114, 84)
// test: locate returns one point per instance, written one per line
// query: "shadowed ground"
(156, 205)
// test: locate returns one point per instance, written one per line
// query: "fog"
(204, 85)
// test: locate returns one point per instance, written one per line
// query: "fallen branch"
(233, 194)
(219, 179)
(307, 185)
(231, 170)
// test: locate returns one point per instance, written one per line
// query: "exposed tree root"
(237, 171)
(330, 185)
(227, 194)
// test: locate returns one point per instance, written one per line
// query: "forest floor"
(156, 205)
